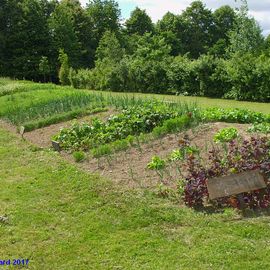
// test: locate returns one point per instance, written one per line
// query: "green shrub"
(182, 77)
(249, 76)
(64, 68)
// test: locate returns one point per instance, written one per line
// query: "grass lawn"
(62, 218)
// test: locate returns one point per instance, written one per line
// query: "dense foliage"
(202, 52)
(260, 128)
(132, 121)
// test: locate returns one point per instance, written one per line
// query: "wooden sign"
(56, 146)
(235, 184)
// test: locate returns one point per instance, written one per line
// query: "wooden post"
(56, 146)
(22, 130)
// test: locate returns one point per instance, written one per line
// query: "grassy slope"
(62, 218)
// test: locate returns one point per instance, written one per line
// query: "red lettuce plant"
(233, 157)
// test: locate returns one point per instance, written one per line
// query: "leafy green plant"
(132, 121)
(260, 128)
(79, 156)
(157, 163)
(234, 116)
(226, 135)
(102, 150)
(180, 154)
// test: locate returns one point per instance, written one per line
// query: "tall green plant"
(64, 68)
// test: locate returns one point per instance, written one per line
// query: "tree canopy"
(193, 52)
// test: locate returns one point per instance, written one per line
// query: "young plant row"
(52, 108)
(124, 128)
(169, 126)
(9, 87)
(142, 121)
(234, 115)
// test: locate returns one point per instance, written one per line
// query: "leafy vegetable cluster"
(226, 135)
(247, 155)
(194, 167)
(132, 121)
(234, 116)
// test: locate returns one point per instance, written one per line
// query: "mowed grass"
(62, 218)
(8, 86)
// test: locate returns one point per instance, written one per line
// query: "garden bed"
(42, 136)
(130, 167)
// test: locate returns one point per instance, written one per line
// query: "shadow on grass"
(246, 213)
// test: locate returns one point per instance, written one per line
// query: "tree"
(224, 19)
(105, 16)
(44, 67)
(63, 31)
(64, 68)
(246, 35)
(198, 34)
(139, 23)
(25, 35)
(83, 29)
(109, 48)
(171, 28)
(152, 48)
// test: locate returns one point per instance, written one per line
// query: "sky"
(259, 9)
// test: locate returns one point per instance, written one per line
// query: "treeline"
(219, 53)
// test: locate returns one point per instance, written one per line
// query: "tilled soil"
(129, 168)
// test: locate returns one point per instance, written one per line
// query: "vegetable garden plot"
(42, 108)
(129, 166)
